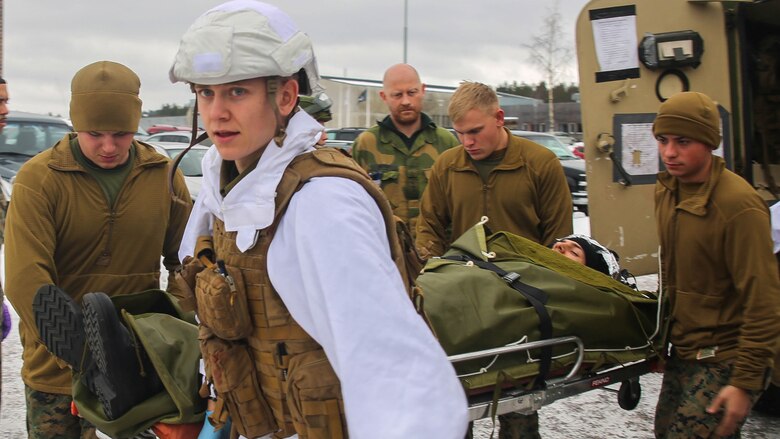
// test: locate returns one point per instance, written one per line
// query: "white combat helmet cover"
(243, 39)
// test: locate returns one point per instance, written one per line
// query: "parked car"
(25, 135)
(141, 134)
(176, 136)
(573, 167)
(190, 164)
(349, 134)
(565, 138)
(161, 128)
(578, 149)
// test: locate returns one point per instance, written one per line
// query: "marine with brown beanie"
(719, 274)
(89, 214)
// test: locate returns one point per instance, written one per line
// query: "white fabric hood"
(250, 205)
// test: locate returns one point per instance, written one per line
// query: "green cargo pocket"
(232, 371)
(314, 397)
(387, 177)
(703, 309)
(222, 303)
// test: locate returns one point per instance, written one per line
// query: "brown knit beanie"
(104, 97)
(690, 114)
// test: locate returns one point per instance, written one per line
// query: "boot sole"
(97, 312)
(60, 324)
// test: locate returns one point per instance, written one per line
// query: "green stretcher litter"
(525, 326)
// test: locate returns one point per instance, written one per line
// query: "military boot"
(121, 359)
(60, 324)
(769, 402)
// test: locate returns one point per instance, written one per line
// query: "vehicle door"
(632, 56)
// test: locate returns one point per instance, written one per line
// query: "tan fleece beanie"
(690, 114)
(104, 97)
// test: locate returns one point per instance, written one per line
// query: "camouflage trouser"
(514, 426)
(49, 417)
(688, 389)
(517, 426)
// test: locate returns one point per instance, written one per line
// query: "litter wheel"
(629, 394)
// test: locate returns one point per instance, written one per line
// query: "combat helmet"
(318, 107)
(246, 39)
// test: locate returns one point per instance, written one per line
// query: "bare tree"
(550, 54)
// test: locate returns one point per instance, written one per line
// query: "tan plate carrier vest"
(272, 377)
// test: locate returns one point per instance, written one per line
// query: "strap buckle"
(510, 277)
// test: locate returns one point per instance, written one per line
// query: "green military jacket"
(719, 274)
(402, 172)
(60, 230)
(526, 194)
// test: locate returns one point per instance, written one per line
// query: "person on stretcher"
(587, 251)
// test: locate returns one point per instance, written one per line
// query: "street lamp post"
(406, 27)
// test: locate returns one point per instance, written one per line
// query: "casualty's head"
(105, 111)
(403, 92)
(587, 251)
(687, 129)
(478, 120)
(247, 62)
(3, 103)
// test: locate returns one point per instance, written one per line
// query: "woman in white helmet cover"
(333, 344)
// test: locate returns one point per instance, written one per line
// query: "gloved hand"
(6, 321)
(208, 431)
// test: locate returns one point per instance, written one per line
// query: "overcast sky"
(46, 42)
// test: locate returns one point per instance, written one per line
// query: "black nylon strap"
(194, 140)
(536, 297)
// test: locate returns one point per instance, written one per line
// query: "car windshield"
(553, 144)
(30, 138)
(191, 162)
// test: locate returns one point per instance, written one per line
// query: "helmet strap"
(194, 139)
(272, 87)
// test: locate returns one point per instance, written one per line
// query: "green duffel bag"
(502, 290)
(170, 338)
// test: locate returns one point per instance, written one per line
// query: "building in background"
(356, 103)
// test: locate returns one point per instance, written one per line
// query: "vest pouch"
(230, 368)
(185, 280)
(314, 397)
(222, 302)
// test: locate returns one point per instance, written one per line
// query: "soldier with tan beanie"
(719, 275)
(90, 214)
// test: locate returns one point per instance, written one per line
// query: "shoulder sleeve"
(180, 212)
(749, 258)
(30, 244)
(555, 204)
(360, 148)
(435, 217)
(330, 263)
(447, 138)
